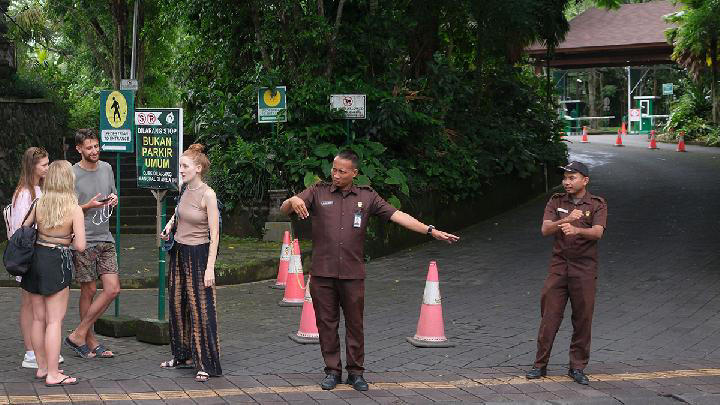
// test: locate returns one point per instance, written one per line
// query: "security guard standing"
(340, 214)
(577, 219)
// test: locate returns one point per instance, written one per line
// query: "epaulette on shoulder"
(602, 200)
(365, 187)
(558, 195)
(322, 184)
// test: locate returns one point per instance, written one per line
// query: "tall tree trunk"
(119, 13)
(255, 11)
(332, 45)
(140, 68)
(423, 40)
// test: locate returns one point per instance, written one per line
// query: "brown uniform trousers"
(555, 293)
(328, 296)
(573, 275)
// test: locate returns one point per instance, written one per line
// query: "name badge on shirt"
(563, 210)
(324, 203)
(358, 216)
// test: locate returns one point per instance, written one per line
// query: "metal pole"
(348, 124)
(161, 264)
(629, 95)
(133, 60)
(117, 225)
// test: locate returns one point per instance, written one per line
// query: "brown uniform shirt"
(574, 255)
(338, 241)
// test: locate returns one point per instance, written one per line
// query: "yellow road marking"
(417, 385)
(23, 399)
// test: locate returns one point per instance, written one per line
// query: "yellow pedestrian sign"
(116, 121)
(272, 104)
(116, 109)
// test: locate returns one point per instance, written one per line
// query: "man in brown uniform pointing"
(577, 219)
(340, 214)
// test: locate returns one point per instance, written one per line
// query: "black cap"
(576, 167)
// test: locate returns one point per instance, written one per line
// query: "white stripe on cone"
(431, 296)
(308, 325)
(285, 253)
(295, 281)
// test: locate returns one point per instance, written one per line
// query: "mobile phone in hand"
(106, 199)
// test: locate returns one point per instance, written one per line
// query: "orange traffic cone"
(285, 253)
(308, 332)
(584, 136)
(618, 140)
(653, 143)
(431, 329)
(681, 142)
(621, 132)
(295, 282)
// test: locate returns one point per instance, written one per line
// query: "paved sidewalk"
(656, 332)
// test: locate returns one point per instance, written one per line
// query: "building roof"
(634, 34)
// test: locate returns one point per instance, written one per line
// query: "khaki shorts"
(94, 262)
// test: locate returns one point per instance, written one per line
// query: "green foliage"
(696, 43)
(21, 87)
(447, 112)
(691, 112)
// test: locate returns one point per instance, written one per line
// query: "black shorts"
(50, 272)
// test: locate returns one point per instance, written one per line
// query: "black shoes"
(536, 373)
(357, 382)
(578, 376)
(330, 381)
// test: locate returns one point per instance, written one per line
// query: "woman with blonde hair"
(60, 223)
(33, 169)
(193, 318)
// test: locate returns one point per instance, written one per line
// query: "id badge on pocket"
(358, 215)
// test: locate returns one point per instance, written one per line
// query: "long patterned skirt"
(193, 319)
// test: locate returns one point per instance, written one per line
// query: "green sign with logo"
(667, 89)
(116, 121)
(159, 134)
(272, 104)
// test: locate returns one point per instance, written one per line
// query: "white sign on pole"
(129, 84)
(635, 114)
(353, 105)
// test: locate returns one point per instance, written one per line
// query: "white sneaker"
(29, 361)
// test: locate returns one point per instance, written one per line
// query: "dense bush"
(415, 141)
(449, 109)
(691, 113)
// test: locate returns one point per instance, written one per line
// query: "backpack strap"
(177, 203)
(32, 207)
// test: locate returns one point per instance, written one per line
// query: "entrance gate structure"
(632, 36)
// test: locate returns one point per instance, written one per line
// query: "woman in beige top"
(191, 297)
(60, 223)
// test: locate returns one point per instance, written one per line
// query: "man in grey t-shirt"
(95, 189)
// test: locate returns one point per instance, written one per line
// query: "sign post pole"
(117, 226)
(161, 207)
(159, 145)
(348, 132)
(116, 135)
